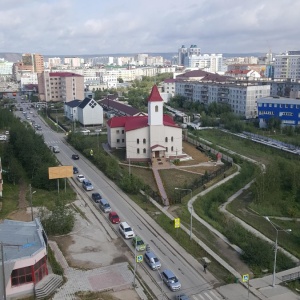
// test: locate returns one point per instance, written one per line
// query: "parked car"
(152, 260)
(96, 197)
(171, 280)
(87, 185)
(80, 177)
(182, 297)
(75, 156)
(126, 230)
(75, 170)
(85, 131)
(104, 205)
(113, 217)
(138, 243)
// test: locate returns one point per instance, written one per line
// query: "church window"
(144, 150)
(172, 139)
(138, 151)
(122, 131)
(118, 131)
(172, 149)
(166, 139)
(137, 141)
(122, 140)
(166, 149)
(118, 140)
(144, 141)
(156, 108)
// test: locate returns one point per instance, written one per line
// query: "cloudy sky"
(79, 27)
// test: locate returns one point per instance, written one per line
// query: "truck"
(55, 149)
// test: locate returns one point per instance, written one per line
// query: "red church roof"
(155, 95)
(137, 122)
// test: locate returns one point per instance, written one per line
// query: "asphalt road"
(192, 281)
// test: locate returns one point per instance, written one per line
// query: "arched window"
(156, 108)
(144, 141)
(166, 139)
(166, 149)
(138, 151)
(172, 149)
(144, 150)
(172, 139)
(137, 141)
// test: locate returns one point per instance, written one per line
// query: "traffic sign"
(139, 258)
(246, 278)
(177, 222)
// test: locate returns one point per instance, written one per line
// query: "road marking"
(197, 297)
(210, 298)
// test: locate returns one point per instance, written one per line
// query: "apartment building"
(207, 62)
(241, 97)
(60, 86)
(34, 61)
(74, 62)
(53, 62)
(185, 52)
(287, 65)
(6, 69)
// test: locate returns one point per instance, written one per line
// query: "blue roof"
(85, 102)
(21, 239)
(73, 103)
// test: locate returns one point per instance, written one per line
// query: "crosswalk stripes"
(208, 295)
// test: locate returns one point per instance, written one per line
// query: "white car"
(126, 230)
(80, 178)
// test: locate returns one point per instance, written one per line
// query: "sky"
(66, 27)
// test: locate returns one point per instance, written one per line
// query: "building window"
(118, 140)
(156, 108)
(137, 141)
(118, 131)
(144, 141)
(144, 150)
(122, 140)
(138, 151)
(166, 139)
(122, 131)
(172, 149)
(166, 149)
(172, 139)
(21, 276)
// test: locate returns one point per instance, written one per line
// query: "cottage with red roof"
(146, 137)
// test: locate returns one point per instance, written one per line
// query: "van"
(170, 280)
(152, 260)
(87, 185)
(104, 206)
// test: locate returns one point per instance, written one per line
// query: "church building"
(146, 137)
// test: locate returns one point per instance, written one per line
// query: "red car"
(114, 218)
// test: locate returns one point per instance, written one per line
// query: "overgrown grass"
(9, 200)
(56, 267)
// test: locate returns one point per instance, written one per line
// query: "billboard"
(60, 172)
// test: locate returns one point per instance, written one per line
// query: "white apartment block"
(74, 61)
(28, 78)
(54, 61)
(287, 65)
(6, 68)
(241, 98)
(206, 62)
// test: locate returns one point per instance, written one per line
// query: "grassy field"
(9, 200)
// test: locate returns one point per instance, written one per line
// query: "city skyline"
(70, 27)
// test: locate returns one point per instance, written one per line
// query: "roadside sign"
(139, 258)
(246, 278)
(177, 222)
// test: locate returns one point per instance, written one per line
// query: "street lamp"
(191, 231)
(31, 193)
(276, 243)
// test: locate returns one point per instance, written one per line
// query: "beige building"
(60, 86)
(149, 137)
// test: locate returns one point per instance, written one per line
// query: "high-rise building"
(33, 61)
(207, 62)
(287, 65)
(60, 86)
(54, 61)
(184, 52)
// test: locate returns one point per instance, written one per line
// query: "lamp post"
(276, 246)
(31, 193)
(191, 191)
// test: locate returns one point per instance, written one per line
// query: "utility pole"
(3, 272)
(31, 193)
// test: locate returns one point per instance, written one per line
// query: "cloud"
(113, 26)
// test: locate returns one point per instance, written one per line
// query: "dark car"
(96, 197)
(75, 170)
(75, 156)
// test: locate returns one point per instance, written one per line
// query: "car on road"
(87, 185)
(75, 156)
(126, 230)
(80, 177)
(113, 217)
(138, 243)
(104, 205)
(85, 131)
(170, 280)
(96, 197)
(75, 170)
(152, 260)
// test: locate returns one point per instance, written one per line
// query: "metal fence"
(290, 277)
